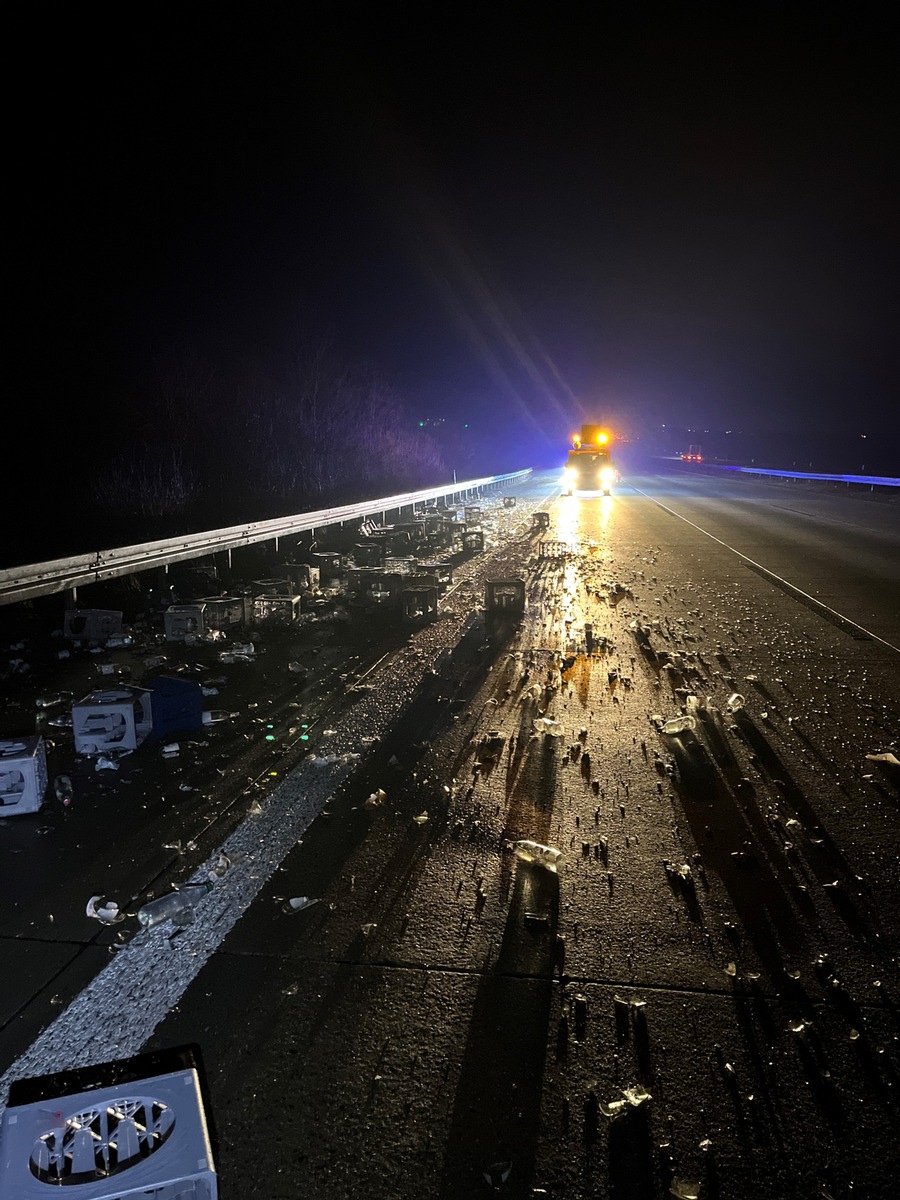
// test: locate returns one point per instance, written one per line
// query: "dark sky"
(642, 213)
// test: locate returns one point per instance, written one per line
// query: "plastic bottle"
(534, 852)
(680, 724)
(177, 906)
(52, 699)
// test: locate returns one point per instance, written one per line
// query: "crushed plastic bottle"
(632, 1097)
(62, 789)
(535, 852)
(678, 725)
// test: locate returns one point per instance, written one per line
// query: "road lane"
(844, 550)
(724, 935)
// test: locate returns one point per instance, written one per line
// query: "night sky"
(520, 217)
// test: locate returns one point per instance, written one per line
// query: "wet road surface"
(702, 997)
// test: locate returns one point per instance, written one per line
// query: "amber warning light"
(591, 435)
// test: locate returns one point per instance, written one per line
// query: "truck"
(589, 465)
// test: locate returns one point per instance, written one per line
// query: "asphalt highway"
(701, 998)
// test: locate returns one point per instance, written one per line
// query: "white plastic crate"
(23, 775)
(222, 612)
(91, 624)
(184, 620)
(276, 610)
(115, 719)
(304, 577)
(132, 1140)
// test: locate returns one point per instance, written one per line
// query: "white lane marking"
(790, 587)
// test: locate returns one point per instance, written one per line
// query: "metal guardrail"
(66, 574)
(867, 480)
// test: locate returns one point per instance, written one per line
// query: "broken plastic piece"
(633, 1097)
(681, 872)
(632, 1006)
(376, 799)
(52, 699)
(219, 867)
(421, 818)
(549, 726)
(106, 914)
(298, 903)
(106, 764)
(636, 1095)
(887, 758)
(735, 702)
(533, 920)
(215, 716)
(534, 852)
(497, 1174)
(685, 1189)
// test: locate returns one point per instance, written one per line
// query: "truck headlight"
(607, 475)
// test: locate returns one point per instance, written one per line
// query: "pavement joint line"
(673, 989)
(791, 589)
